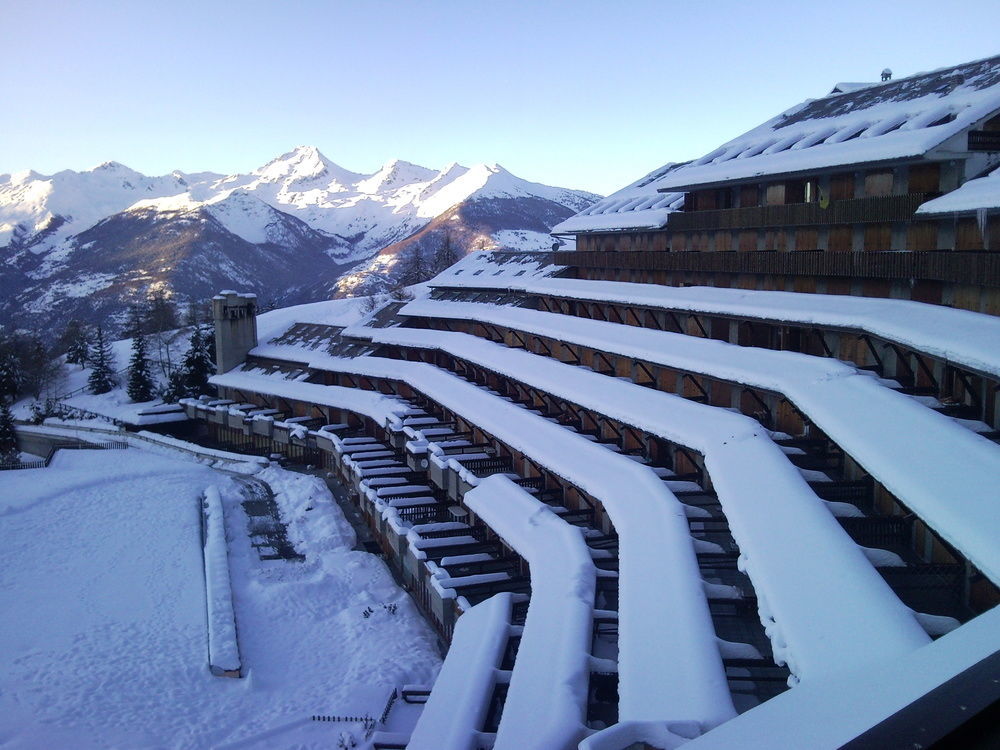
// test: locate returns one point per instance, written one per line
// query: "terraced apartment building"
(803, 201)
(724, 475)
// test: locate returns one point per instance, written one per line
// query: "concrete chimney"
(235, 317)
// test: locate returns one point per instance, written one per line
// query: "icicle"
(981, 221)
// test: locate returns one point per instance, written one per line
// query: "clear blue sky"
(580, 94)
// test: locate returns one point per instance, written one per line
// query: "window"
(801, 191)
(943, 120)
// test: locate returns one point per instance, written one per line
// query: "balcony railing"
(870, 210)
(984, 140)
(975, 268)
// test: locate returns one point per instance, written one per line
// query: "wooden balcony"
(984, 140)
(870, 210)
(976, 268)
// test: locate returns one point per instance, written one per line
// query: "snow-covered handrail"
(546, 704)
(459, 700)
(924, 327)
(894, 438)
(789, 541)
(148, 440)
(383, 409)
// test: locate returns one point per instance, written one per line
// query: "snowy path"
(103, 615)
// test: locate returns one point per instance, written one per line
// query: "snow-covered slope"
(78, 200)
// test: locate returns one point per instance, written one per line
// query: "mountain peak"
(395, 174)
(305, 163)
(308, 152)
(25, 175)
(112, 168)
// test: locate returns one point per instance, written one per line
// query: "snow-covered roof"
(845, 87)
(786, 534)
(837, 711)
(983, 192)
(497, 266)
(380, 408)
(883, 122)
(637, 206)
(896, 439)
(918, 325)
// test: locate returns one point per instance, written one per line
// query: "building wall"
(964, 296)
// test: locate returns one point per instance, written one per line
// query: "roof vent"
(886, 74)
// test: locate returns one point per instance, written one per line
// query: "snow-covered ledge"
(918, 325)
(547, 700)
(459, 701)
(385, 410)
(893, 437)
(223, 651)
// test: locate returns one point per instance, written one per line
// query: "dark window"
(801, 191)
(724, 198)
(942, 121)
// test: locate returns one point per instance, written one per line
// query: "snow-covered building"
(803, 201)
(645, 513)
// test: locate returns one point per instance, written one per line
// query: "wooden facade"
(970, 281)
(813, 234)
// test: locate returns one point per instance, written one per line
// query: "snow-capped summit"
(112, 167)
(395, 174)
(305, 164)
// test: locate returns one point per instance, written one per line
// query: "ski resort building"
(811, 200)
(726, 475)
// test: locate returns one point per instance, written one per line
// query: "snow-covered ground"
(103, 615)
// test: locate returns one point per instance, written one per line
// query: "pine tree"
(39, 370)
(174, 390)
(74, 342)
(102, 376)
(140, 383)
(197, 367)
(8, 438)
(11, 375)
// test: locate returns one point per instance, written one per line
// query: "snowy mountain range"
(88, 244)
